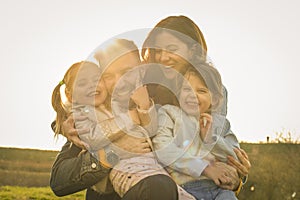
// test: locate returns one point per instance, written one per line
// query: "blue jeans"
(208, 190)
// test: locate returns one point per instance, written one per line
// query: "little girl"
(86, 95)
(82, 87)
(192, 137)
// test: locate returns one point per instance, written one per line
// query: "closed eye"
(186, 89)
(202, 91)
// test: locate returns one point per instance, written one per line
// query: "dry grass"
(275, 173)
(25, 167)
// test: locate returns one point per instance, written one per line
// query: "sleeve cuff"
(146, 111)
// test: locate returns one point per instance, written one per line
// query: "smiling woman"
(171, 53)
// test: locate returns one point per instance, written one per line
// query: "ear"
(192, 51)
(215, 101)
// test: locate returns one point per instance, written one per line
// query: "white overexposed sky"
(254, 44)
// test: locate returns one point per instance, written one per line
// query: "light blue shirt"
(179, 147)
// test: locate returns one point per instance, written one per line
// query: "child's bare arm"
(146, 110)
(143, 103)
(134, 116)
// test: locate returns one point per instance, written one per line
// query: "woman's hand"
(243, 165)
(69, 131)
(218, 173)
(232, 174)
(223, 175)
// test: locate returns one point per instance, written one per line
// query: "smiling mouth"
(168, 66)
(189, 103)
(94, 93)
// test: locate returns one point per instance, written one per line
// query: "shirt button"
(94, 165)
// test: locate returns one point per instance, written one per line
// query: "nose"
(101, 84)
(192, 95)
(164, 56)
(117, 79)
(93, 84)
(119, 82)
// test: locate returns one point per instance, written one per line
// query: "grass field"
(34, 193)
(25, 167)
(275, 173)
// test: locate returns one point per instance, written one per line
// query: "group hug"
(147, 122)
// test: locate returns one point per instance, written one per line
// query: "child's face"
(194, 98)
(88, 89)
(117, 69)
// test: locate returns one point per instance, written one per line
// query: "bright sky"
(255, 45)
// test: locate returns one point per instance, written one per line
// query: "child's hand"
(141, 98)
(205, 122)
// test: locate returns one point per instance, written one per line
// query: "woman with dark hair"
(176, 43)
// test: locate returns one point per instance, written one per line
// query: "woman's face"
(172, 53)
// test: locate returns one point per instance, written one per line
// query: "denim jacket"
(73, 171)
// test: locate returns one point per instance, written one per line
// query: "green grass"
(25, 167)
(34, 193)
(275, 173)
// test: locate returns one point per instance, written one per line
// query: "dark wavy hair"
(176, 25)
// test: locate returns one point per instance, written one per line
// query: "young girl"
(82, 87)
(86, 96)
(191, 137)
